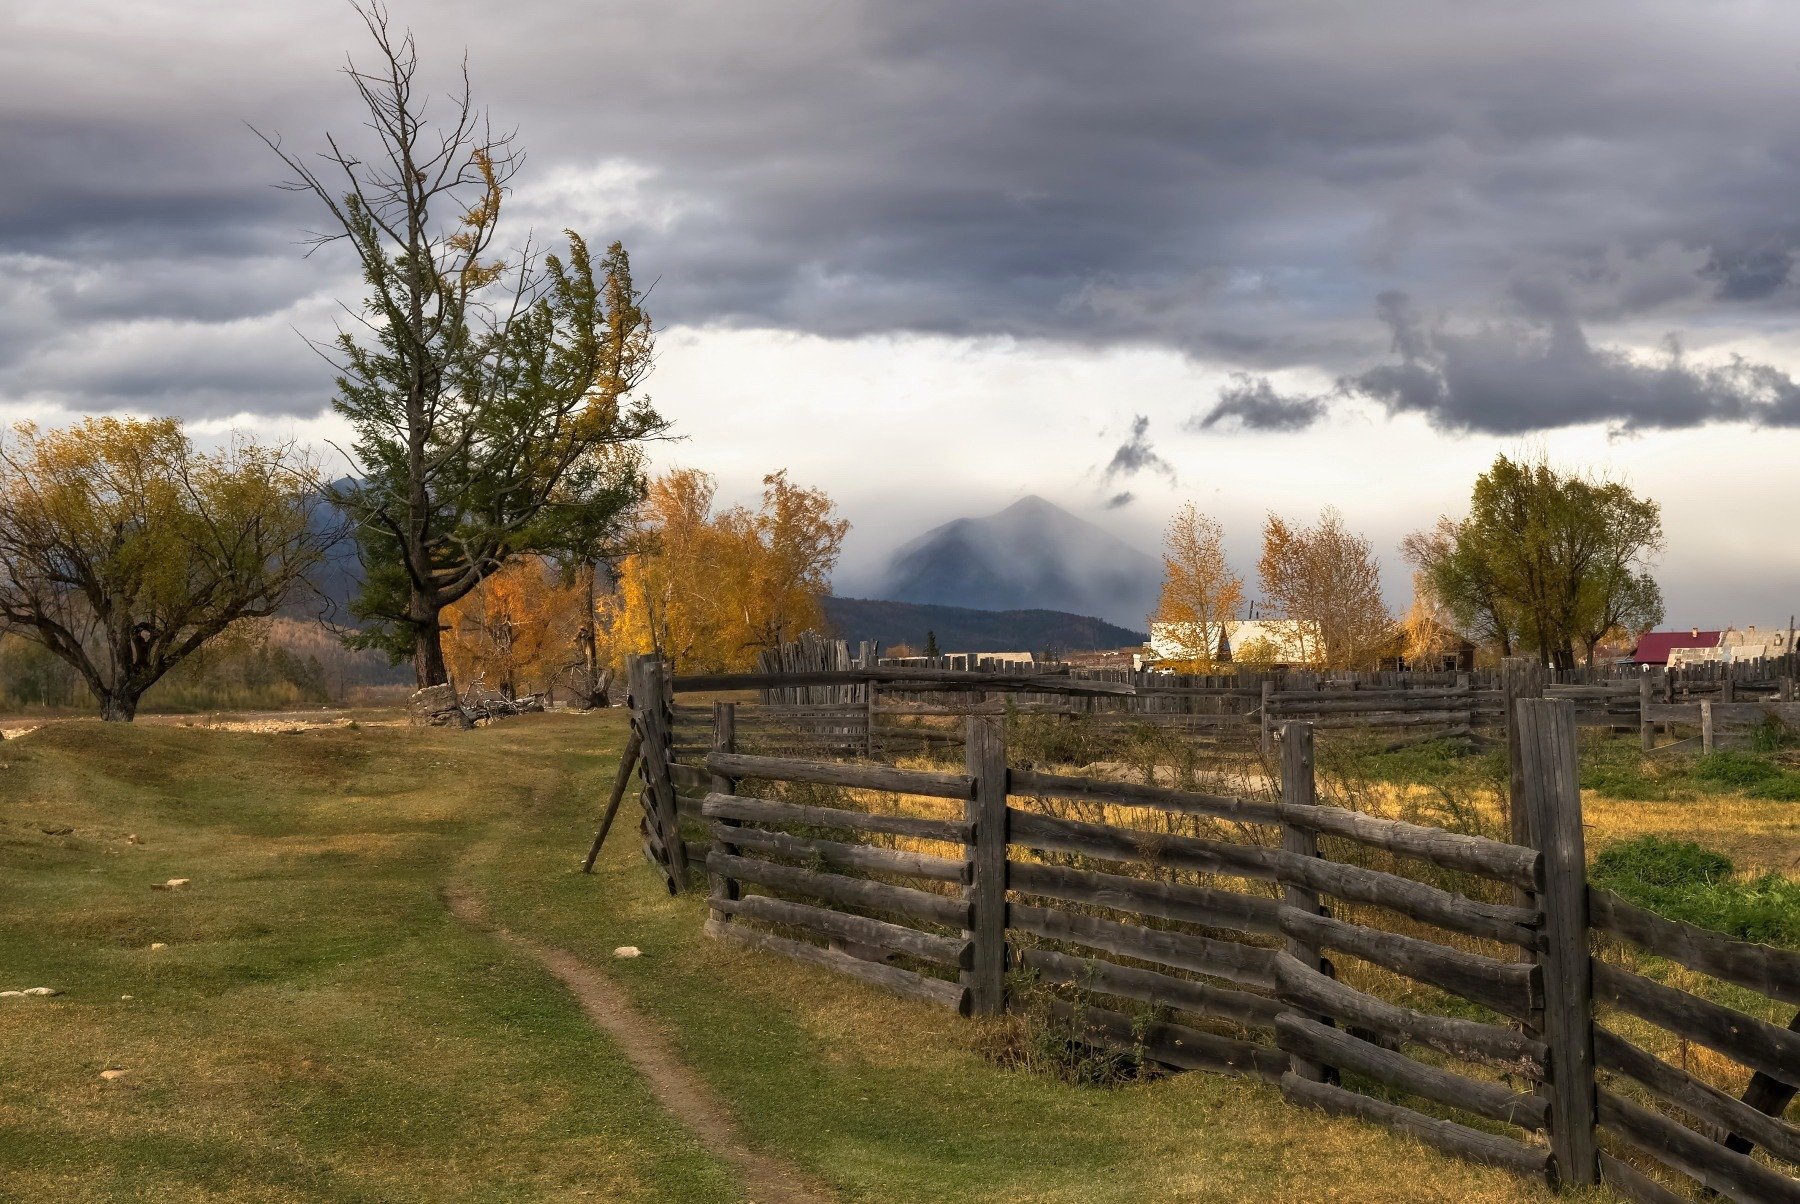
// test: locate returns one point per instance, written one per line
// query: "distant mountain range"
(1033, 555)
(964, 629)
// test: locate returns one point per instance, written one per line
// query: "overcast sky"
(933, 257)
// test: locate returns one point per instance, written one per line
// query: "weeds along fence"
(1475, 993)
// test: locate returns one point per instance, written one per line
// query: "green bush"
(1684, 881)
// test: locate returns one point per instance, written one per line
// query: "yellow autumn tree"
(1200, 593)
(519, 630)
(711, 590)
(1326, 580)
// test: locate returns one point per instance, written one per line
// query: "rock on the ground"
(113, 1075)
(42, 991)
(628, 951)
(158, 945)
(12, 994)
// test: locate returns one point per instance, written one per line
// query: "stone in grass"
(628, 951)
(40, 991)
(171, 884)
(157, 945)
(12, 994)
(113, 1076)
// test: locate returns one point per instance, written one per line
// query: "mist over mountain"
(1033, 555)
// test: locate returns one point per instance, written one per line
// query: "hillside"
(1031, 555)
(964, 629)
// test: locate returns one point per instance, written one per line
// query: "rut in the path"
(768, 1180)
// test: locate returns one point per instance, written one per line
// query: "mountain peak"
(1032, 555)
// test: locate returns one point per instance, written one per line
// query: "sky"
(933, 257)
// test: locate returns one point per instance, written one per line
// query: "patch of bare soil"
(687, 1097)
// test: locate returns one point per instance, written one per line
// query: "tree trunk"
(118, 707)
(428, 655)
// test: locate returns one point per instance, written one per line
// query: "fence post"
(1646, 732)
(1706, 725)
(986, 810)
(1268, 729)
(1553, 795)
(1299, 787)
(650, 700)
(724, 741)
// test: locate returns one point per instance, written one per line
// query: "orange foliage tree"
(1200, 593)
(1327, 577)
(712, 589)
(520, 628)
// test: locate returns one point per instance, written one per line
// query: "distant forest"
(962, 629)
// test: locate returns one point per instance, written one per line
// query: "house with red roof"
(1655, 647)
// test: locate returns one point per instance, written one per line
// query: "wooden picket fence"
(1192, 930)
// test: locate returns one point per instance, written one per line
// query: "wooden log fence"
(981, 894)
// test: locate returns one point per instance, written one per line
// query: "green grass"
(1684, 881)
(318, 1028)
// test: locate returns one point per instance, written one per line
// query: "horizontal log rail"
(857, 892)
(770, 811)
(1756, 1043)
(1457, 913)
(951, 951)
(1510, 988)
(1247, 965)
(1232, 910)
(1109, 843)
(1675, 1086)
(832, 773)
(1772, 972)
(1160, 798)
(1734, 1175)
(1451, 850)
(907, 678)
(1152, 987)
(869, 858)
(1305, 988)
(893, 978)
(1337, 1048)
(1446, 1135)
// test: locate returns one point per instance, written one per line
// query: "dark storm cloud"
(1253, 403)
(1514, 378)
(1136, 455)
(1119, 501)
(1232, 181)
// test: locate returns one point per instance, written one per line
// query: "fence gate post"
(1553, 795)
(1520, 677)
(724, 741)
(1268, 726)
(986, 810)
(662, 822)
(1299, 787)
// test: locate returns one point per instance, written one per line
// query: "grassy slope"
(319, 1029)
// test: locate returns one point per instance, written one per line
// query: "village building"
(1729, 645)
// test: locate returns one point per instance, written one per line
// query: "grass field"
(318, 1027)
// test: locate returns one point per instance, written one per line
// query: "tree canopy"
(1200, 593)
(710, 589)
(1327, 578)
(123, 551)
(492, 394)
(1546, 561)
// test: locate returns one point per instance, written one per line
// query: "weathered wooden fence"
(1194, 930)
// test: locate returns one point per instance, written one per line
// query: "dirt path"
(768, 1180)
